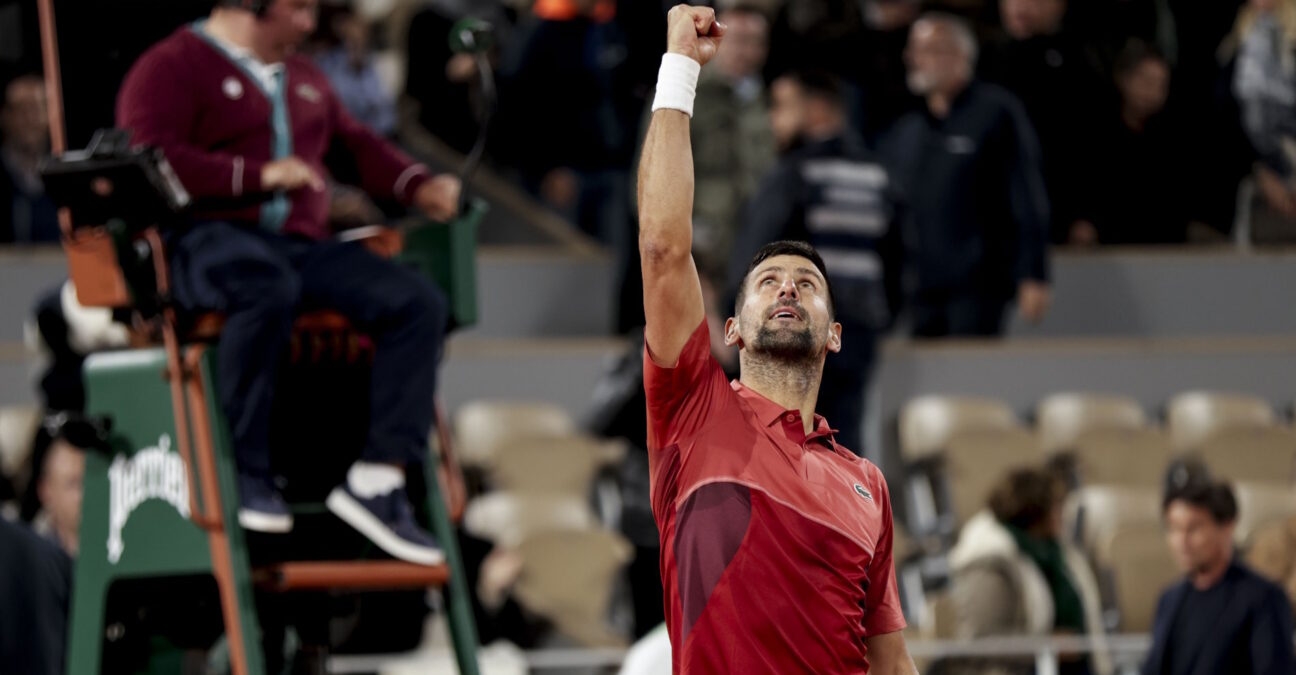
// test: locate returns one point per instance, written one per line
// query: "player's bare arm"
(673, 306)
(888, 655)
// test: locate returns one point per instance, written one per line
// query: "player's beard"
(786, 343)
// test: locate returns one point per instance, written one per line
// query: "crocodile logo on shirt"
(861, 491)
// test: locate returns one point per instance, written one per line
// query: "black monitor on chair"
(110, 180)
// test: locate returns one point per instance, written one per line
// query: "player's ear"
(834, 337)
(732, 335)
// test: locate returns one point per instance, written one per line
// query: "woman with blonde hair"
(1263, 42)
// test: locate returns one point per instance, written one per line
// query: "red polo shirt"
(776, 546)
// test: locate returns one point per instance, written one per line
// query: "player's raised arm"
(672, 293)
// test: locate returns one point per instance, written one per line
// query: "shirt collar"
(770, 413)
(235, 52)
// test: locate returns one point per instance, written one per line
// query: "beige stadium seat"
(1061, 419)
(18, 426)
(1259, 505)
(508, 518)
(1132, 457)
(928, 423)
(560, 465)
(1141, 567)
(1258, 454)
(1094, 512)
(939, 617)
(1194, 416)
(568, 578)
(483, 427)
(976, 461)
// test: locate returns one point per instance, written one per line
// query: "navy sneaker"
(261, 509)
(388, 521)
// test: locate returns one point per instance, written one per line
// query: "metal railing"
(1127, 652)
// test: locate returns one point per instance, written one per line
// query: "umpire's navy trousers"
(261, 281)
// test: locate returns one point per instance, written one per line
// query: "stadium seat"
(1093, 512)
(1062, 418)
(1140, 566)
(1133, 457)
(508, 518)
(928, 423)
(1260, 505)
(1255, 454)
(483, 427)
(928, 426)
(553, 465)
(976, 460)
(1194, 416)
(577, 604)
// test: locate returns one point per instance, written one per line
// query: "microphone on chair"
(471, 36)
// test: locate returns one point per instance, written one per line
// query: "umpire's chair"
(159, 517)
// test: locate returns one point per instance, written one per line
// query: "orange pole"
(53, 76)
(53, 91)
(217, 538)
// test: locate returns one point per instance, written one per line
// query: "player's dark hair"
(785, 247)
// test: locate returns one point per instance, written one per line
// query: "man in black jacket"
(970, 167)
(35, 582)
(1222, 618)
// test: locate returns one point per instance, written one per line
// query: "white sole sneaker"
(352, 513)
(265, 522)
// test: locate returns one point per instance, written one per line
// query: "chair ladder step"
(372, 575)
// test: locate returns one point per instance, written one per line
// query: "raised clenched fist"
(693, 32)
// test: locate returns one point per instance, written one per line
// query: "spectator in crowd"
(1014, 574)
(832, 192)
(1223, 617)
(349, 64)
(1059, 82)
(27, 214)
(1138, 193)
(58, 486)
(1273, 555)
(246, 123)
(1264, 81)
(733, 146)
(35, 585)
(969, 164)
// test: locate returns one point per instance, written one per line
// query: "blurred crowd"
(1145, 115)
(933, 149)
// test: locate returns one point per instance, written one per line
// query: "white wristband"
(676, 83)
